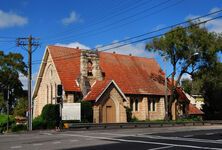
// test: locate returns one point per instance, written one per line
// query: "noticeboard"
(71, 111)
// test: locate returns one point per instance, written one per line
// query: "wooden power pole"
(30, 42)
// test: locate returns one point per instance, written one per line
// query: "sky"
(92, 23)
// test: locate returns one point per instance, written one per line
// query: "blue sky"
(90, 23)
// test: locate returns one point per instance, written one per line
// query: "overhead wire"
(116, 22)
(136, 41)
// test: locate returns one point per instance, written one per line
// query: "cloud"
(72, 18)
(10, 19)
(74, 45)
(159, 26)
(213, 25)
(134, 49)
(24, 80)
(186, 76)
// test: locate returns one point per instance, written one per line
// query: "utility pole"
(30, 42)
(166, 90)
(8, 108)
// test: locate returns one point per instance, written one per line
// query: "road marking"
(187, 135)
(168, 138)
(37, 144)
(117, 134)
(144, 142)
(16, 147)
(182, 139)
(209, 133)
(58, 142)
(74, 140)
(161, 148)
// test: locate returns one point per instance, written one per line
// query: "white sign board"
(71, 111)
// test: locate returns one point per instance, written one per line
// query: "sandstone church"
(110, 81)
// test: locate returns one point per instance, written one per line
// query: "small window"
(154, 105)
(149, 105)
(89, 68)
(136, 105)
(131, 103)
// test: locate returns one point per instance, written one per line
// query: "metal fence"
(140, 124)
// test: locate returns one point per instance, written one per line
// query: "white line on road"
(209, 133)
(161, 148)
(37, 144)
(74, 140)
(144, 142)
(58, 142)
(168, 138)
(16, 147)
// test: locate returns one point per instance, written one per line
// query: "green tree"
(211, 88)
(187, 85)
(21, 107)
(11, 65)
(179, 46)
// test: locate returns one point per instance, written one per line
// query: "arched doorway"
(109, 112)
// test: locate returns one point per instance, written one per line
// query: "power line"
(104, 17)
(117, 21)
(168, 27)
(137, 41)
(161, 29)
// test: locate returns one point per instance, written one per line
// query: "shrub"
(20, 127)
(47, 119)
(86, 112)
(39, 123)
(134, 119)
(50, 112)
(3, 122)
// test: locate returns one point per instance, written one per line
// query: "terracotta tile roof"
(67, 63)
(181, 95)
(193, 110)
(96, 90)
(132, 74)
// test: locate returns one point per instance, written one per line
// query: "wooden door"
(109, 112)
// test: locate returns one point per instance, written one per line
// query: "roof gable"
(99, 88)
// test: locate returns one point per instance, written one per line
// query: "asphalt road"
(178, 138)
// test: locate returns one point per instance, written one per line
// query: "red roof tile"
(132, 74)
(96, 90)
(67, 63)
(193, 110)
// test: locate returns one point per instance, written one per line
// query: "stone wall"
(110, 94)
(86, 80)
(143, 113)
(47, 89)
